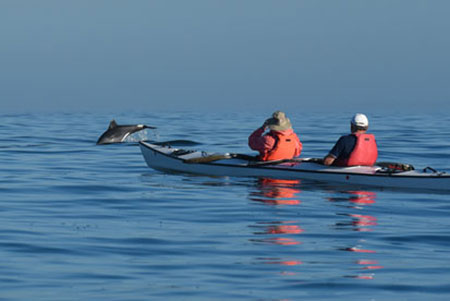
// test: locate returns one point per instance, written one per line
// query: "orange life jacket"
(285, 147)
(365, 152)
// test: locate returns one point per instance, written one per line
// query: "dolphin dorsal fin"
(112, 124)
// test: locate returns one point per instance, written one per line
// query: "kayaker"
(358, 148)
(279, 143)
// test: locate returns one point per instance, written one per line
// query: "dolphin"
(118, 133)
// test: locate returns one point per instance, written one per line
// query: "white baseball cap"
(360, 120)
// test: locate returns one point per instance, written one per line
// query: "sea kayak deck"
(172, 159)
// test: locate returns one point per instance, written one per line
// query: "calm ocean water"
(87, 222)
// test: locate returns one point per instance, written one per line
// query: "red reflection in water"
(356, 197)
(278, 241)
(277, 202)
(361, 223)
(276, 260)
(362, 197)
(284, 229)
(278, 182)
(286, 263)
(365, 219)
(369, 264)
(275, 228)
(277, 192)
(372, 267)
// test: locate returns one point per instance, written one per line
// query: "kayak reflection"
(275, 192)
(353, 212)
(358, 197)
(358, 222)
(356, 205)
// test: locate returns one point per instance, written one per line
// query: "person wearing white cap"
(281, 142)
(358, 148)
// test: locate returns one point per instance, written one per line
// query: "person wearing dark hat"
(358, 148)
(279, 143)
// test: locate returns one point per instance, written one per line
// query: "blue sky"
(110, 55)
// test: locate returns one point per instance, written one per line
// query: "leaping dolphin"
(118, 133)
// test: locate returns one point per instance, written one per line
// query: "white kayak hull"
(166, 159)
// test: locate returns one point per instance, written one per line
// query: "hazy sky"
(229, 54)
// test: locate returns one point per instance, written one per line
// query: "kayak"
(387, 175)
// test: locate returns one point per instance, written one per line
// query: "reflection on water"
(277, 193)
(283, 233)
(280, 229)
(351, 207)
(356, 197)
(281, 262)
(359, 201)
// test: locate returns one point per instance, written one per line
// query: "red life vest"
(285, 147)
(365, 152)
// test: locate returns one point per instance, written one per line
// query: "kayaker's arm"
(328, 160)
(259, 142)
(342, 148)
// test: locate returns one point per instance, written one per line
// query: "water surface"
(87, 222)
